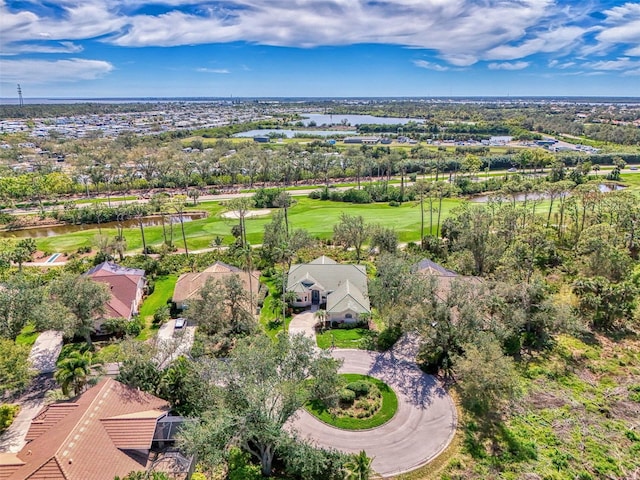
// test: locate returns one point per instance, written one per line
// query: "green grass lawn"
(343, 338)
(162, 293)
(105, 200)
(316, 216)
(386, 412)
(28, 335)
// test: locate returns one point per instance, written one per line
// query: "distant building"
(362, 140)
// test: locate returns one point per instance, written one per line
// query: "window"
(348, 315)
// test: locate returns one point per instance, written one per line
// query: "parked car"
(512, 170)
(180, 322)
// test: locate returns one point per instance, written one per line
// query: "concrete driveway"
(45, 351)
(422, 427)
(172, 343)
(303, 324)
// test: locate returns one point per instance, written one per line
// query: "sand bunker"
(248, 214)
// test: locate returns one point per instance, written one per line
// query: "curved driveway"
(421, 428)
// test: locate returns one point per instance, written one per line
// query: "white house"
(341, 288)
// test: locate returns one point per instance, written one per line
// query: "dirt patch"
(249, 214)
(540, 400)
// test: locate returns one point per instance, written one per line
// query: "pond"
(53, 230)
(603, 187)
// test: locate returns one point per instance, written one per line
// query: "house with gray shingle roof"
(342, 288)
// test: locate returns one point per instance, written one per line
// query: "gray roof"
(347, 297)
(428, 266)
(328, 276)
(115, 269)
(323, 260)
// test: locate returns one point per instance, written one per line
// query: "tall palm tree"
(73, 371)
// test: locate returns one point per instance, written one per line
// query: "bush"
(360, 388)
(161, 315)
(347, 396)
(393, 203)
(7, 414)
(134, 327)
(388, 338)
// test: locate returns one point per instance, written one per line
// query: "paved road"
(422, 427)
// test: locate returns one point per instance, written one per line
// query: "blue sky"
(335, 48)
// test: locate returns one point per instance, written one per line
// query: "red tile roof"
(123, 284)
(106, 432)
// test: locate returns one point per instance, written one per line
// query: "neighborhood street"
(422, 427)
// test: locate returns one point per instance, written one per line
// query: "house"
(443, 276)
(342, 288)
(126, 286)
(111, 429)
(363, 139)
(189, 285)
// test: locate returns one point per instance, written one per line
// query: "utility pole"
(20, 96)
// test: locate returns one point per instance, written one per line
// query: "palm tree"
(359, 467)
(321, 316)
(73, 371)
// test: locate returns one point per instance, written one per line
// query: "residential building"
(126, 286)
(111, 429)
(343, 289)
(189, 285)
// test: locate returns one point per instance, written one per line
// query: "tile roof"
(347, 297)
(123, 284)
(105, 432)
(328, 275)
(189, 285)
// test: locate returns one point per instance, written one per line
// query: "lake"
(603, 187)
(292, 133)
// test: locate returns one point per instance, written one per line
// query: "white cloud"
(633, 52)
(561, 65)
(430, 65)
(213, 70)
(58, 47)
(622, 63)
(508, 66)
(630, 73)
(460, 31)
(45, 71)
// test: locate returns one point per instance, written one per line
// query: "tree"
(178, 205)
(144, 476)
(385, 239)
(351, 231)
(256, 392)
(487, 379)
(20, 302)
(23, 251)
(359, 467)
(181, 386)
(241, 206)
(84, 299)
(73, 372)
(15, 369)
(223, 307)
(604, 303)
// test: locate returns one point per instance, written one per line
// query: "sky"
(319, 48)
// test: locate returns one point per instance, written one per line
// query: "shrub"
(388, 338)
(360, 388)
(347, 396)
(7, 414)
(161, 315)
(394, 203)
(134, 327)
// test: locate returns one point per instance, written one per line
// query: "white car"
(512, 170)
(180, 322)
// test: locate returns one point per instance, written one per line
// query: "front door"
(315, 297)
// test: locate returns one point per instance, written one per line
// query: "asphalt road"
(421, 429)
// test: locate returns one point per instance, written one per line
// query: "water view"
(53, 230)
